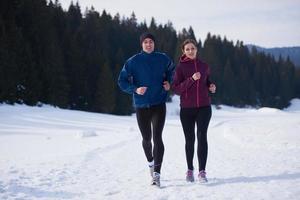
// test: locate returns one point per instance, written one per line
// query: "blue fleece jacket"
(146, 70)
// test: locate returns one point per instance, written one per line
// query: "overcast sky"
(267, 23)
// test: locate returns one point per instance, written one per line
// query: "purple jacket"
(192, 93)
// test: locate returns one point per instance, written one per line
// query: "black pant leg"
(203, 119)
(143, 116)
(187, 118)
(158, 122)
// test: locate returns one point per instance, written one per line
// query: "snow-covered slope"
(51, 153)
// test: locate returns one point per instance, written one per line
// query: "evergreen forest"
(72, 58)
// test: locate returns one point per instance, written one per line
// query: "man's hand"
(166, 85)
(141, 90)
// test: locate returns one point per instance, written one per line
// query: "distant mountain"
(292, 52)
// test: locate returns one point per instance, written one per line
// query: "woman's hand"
(141, 90)
(212, 88)
(166, 85)
(196, 76)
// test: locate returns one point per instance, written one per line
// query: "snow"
(52, 153)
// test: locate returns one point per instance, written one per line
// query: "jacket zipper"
(195, 64)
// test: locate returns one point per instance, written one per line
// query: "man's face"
(148, 45)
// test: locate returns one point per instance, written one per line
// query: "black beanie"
(146, 35)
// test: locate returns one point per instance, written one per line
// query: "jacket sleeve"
(208, 81)
(170, 71)
(180, 83)
(125, 80)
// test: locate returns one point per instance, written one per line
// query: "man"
(147, 76)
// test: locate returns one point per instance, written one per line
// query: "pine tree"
(105, 101)
(229, 86)
(286, 78)
(123, 101)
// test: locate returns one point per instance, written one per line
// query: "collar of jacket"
(184, 59)
(147, 54)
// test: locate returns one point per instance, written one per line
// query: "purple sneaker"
(202, 176)
(190, 176)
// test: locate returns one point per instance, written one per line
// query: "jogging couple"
(148, 76)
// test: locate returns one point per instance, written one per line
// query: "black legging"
(155, 116)
(189, 117)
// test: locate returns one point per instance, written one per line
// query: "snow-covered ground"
(51, 153)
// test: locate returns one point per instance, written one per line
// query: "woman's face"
(190, 50)
(148, 45)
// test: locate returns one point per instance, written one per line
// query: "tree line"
(71, 59)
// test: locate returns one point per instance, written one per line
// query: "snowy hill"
(51, 153)
(292, 52)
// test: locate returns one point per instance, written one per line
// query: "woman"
(147, 76)
(191, 82)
